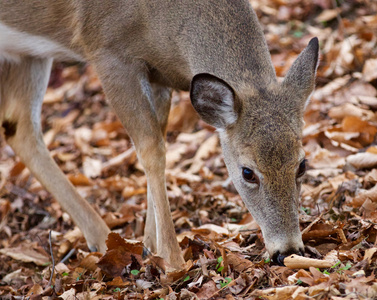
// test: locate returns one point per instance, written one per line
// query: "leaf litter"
(221, 243)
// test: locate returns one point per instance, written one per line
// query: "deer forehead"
(268, 145)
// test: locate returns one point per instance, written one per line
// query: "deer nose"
(279, 257)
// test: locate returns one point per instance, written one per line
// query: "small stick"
(52, 258)
(70, 253)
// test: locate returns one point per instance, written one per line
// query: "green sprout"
(135, 272)
(226, 282)
(218, 267)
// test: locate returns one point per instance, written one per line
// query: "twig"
(52, 258)
(70, 253)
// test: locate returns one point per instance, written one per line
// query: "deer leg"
(161, 97)
(127, 86)
(23, 85)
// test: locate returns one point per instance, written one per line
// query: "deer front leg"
(130, 92)
(22, 87)
(161, 100)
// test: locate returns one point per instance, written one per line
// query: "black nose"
(279, 257)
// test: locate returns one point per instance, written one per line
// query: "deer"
(141, 51)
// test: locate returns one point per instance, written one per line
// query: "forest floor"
(223, 246)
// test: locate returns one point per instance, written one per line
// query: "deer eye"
(249, 175)
(301, 168)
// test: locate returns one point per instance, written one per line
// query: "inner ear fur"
(214, 100)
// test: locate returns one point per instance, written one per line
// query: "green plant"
(79, 277)
(219, 268)
(341, 269)
(135, 272)
(306, 210)
(226, 282)
(346, 267)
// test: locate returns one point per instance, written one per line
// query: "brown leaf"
(366, 195)
(28, 252)
(120, 253)
(355, 124)
(118, 282)
(207, 290)
(238, 263)
(369, 253)
(90, 261)
(114, 219)
(79, 179)
(35, 290)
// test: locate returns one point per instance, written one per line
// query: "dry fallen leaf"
(299, 262)
(370, 69)
(28, 252)
(362, 160)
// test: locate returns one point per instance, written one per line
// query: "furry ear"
(213, 99)
(300, 79)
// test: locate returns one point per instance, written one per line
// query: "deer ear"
(214, 100)
(300, 79)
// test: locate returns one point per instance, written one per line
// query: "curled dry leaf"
(323, 158)
(366, 195)
(120, 253)
(79, 179)
(238, 263)
(35, 290)
(299, 262)
(331, 87)
(362, 160)
(348, 109)
(73, 235)
(90, 261)
(355, 124)
(370, 69)
(28, 252)
(369, 253)
(327, 15)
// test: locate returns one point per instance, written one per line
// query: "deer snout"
(281, 245)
